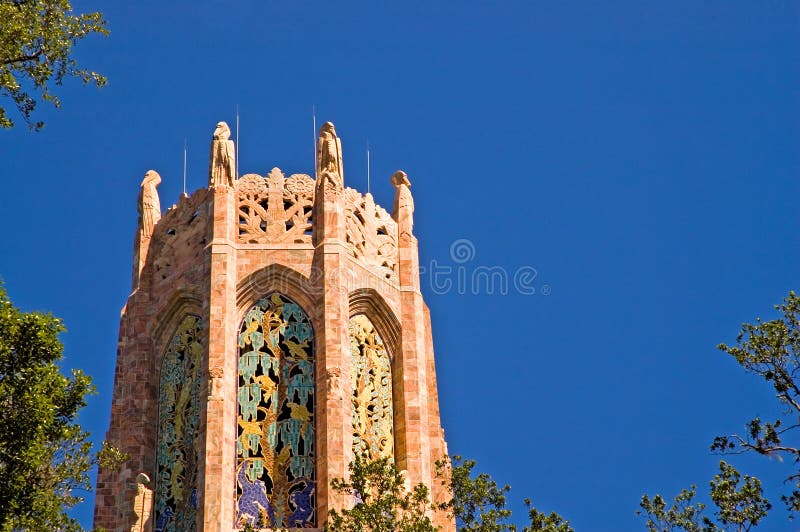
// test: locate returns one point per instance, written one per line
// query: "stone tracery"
(275, 210)
(178, 425)
(371, 233)
(371, 373)
(275, 471)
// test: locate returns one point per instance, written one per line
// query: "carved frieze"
(274, 209)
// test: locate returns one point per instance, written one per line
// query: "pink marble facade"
(207, 256)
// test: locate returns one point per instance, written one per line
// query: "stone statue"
(223, 157)
(149, 204)
(142, 503)
(333, 374)
(403, 202)
(329, 157)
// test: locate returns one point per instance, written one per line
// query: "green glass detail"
(275, 466)
(178, 430)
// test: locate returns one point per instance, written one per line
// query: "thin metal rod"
(237, 141)
(184, 166)
(314, 133)
(367, 167)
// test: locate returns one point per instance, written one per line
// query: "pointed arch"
(184, 302)
(277, 278)
(369, 302)
(275, 464)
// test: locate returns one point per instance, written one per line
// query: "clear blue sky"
(642, 156)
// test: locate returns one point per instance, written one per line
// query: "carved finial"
(149, 204)
(223, 157)
(329, 157)
(222, 131)
(403, 203)
(400, 178)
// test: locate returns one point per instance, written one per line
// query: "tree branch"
(22, 59)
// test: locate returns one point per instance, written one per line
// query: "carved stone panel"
(371, 233)
(371, 373)
(275, 210)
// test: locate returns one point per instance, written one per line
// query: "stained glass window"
(371, 373)
(275, 476)
(178, 423)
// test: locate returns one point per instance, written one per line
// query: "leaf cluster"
(36, 50)
(771, 350)
(382, 502)
(740, 506)
(542, 522)
(44, 454)
(478, 503)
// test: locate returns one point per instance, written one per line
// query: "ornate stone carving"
(215, 374)
(371, 233)
(275, 445)
(149, 204)
(330, 170)
(371, 373)
(223, 157)
(332, 378)
(403, 211)
(274, 210)
(142, 503)
(178, 430)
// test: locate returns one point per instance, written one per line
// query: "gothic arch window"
(177, 452)
(275, 464)
(371, 374)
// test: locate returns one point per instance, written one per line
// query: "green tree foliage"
(740, 506)
(383, 503)
(771, 350)
(541, 522)
(44, 454)
(36, 40)
(478, 503)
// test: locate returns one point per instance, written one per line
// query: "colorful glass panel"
(275, 476)
(178, 426)
(371, 373)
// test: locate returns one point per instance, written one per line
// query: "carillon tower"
(275, 331)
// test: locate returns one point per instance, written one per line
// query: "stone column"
(413, 453)
(334, 434)
(134, 402)
(218, 418)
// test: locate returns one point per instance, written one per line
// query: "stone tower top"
(277, 211)
(275, 331)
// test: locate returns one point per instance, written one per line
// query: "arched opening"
(372, 407)
(177, 452)
(275, 464)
